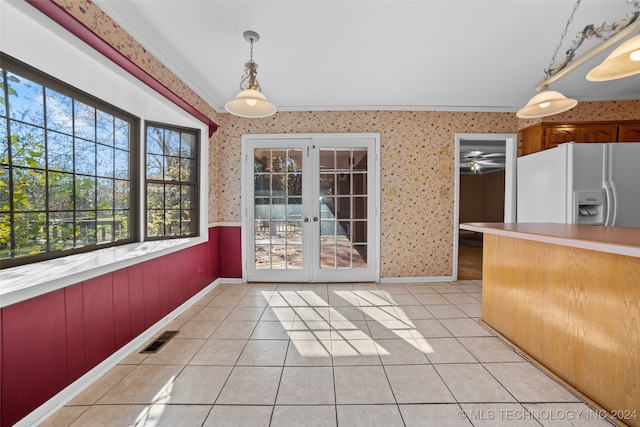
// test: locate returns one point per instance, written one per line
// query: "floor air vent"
(158, 343)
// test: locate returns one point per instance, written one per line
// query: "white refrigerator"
(586, 183)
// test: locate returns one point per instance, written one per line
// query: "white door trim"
(374, 254)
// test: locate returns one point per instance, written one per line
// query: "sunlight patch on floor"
(151, 416)
(318, 329)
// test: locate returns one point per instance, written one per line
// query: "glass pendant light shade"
(250, 103)
(546, 103)
(624, 61)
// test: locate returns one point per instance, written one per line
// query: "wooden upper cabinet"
(531, 139)
(598, 133)
(629, 132)
(543, 136)
(554, 135)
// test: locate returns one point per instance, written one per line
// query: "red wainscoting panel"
(151, 288)
(34, 358)
(201, 267)
(208, 267)
(175, 277)
(136, 300)
(51, 340)
(207, 272)
(76, 355)
(213, 252)
(190, 271)
(163, 284)
(121, 309)
(201, 253)
(98, 319)
(230, 252)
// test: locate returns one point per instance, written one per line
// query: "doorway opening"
(485, 192)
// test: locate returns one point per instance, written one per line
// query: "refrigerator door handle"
(613, 203)
(607, 192)
(611, 209)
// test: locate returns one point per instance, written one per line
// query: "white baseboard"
(416, 279)
(44, 411)
(228, 281)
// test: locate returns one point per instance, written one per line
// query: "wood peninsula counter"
(569, 297)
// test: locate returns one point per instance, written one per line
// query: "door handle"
(315, 219)
(306, 220)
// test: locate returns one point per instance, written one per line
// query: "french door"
(310, 207)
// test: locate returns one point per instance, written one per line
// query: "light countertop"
(615, 240)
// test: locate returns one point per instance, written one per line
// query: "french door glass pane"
(359, 159)
(343, 256)
(327, 256)
(343, 208)
(278, 208)
(327, 184)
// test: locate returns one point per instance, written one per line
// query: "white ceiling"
(393, 55)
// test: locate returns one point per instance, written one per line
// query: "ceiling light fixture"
(546, 103)
(250, 102)
(623, 62)
(474, 165)
(550, 102)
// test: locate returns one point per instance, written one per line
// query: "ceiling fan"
(478, 162)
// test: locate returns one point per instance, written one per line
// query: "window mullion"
(12, 236)
(46, 169)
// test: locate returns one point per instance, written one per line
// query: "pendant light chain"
(564, 33)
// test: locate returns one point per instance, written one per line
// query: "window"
(172, 184)
(66, 168)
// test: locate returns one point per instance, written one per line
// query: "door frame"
(374, 253)
(510, 188)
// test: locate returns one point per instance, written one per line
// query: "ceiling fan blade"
(492, 155)
(491, 162)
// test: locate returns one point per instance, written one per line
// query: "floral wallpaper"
(417, 155)
(417, 165)
(416, 180)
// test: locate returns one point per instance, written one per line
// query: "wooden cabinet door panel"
(559, 134)
(598, 133)
(531, 140)
(629, 132)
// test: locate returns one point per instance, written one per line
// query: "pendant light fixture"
(624, 61)
(550, 102)
(546, 103)
(250, 102)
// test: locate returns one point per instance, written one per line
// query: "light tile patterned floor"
(324, 355)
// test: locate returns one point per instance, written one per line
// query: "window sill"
(29, 281)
